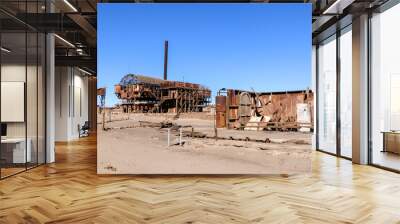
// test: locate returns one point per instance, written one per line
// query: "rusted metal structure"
(220, 111)
(178, 97)
(138, 93)
(289, 110)
(166, 60)
(101, 94)
(147, 94)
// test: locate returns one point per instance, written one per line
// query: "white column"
(313, 89)
(360, 90)
(50, 101)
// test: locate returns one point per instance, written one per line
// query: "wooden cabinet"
(391, 142)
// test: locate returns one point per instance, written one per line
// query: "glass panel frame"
(345, 54)
(26, 56)
(14, 76)
(326, 106)
(384, 73)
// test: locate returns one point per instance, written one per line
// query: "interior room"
(385, 89)
(22, 100)
(44, 86)
(49, 103)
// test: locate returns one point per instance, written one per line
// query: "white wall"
(16, 72)
(33, 126)
(71, 102)
(80, 109)
(62, 82)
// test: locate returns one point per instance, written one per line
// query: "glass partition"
(31, 97)
(327, 95)
(346, 92)
(41, 97)
(385, 89)
(13, 94)
(22, 88)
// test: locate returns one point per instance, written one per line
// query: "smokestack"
(165, 59)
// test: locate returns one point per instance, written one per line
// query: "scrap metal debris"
(281, 111)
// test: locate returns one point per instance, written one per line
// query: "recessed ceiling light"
(5, 50)
(70, 5)
(64, 40)
(84, 71)
(337, 7)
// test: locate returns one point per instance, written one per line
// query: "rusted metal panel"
(245, 108)
(220, 102)
(280, 108)
(180, 84)
(233, 101)
(233, 114)
(220, 119)
(233, 98)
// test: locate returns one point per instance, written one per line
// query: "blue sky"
(265, 47)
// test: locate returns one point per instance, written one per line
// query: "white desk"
(18, 150)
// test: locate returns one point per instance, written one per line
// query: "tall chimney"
(165, 59)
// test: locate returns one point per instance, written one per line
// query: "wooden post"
(180, 136)
(176, 102)
(181, 101)
(184, 101)
(169, 138)
(215, 124)
(104, 119)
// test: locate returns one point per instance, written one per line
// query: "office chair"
(84, 130)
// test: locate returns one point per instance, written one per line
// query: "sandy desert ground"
(131, 146)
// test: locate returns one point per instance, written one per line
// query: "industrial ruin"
(177, 127)
(290, 110)
(234, 109)
(145, 94)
